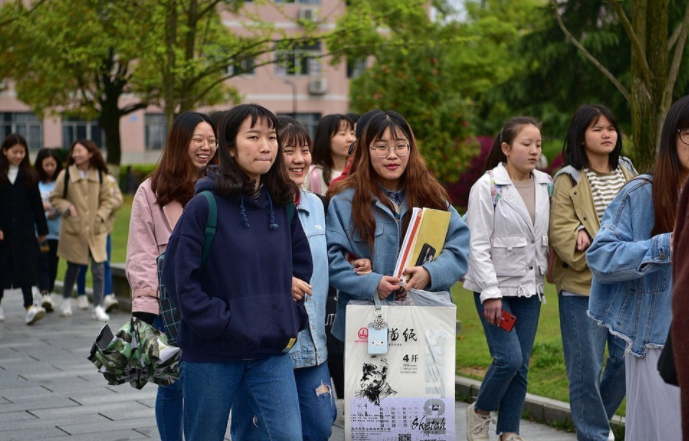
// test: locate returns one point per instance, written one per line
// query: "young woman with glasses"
(367, 210)
(157, 206)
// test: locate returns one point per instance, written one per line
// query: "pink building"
(300, 83)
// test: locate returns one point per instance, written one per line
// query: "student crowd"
(304, 227)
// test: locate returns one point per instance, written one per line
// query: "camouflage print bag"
(137, 354)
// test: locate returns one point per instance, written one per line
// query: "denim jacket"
(445, 270)
(632, 271)
(310, 348)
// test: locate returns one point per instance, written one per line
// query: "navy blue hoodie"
(241, 306)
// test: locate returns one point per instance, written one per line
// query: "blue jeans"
(169, 411)
(81, 276)
(316, 405)
(504, 385)
(169, 404)
(592, 398)
(268, 389)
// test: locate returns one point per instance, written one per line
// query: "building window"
(356, 67)
(23, 123)
(244, 67)
(156, 131)
(301, 60)
(308, 120)
(75, 128)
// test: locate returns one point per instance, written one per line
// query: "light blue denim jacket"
(632, 271)
(310, 348)
(445, 270)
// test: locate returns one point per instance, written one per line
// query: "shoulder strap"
(627, 163)
(66, 183)
(495, 189)
(290, 212)
(315, 179)
(211, 224)
(573, 173)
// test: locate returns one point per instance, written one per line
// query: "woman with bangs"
(334, 136)
(593, 174)
(367, 211)
(631, 293)
(238, 317)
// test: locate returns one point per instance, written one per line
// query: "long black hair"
(327, 127)
(43, 154)
(25, 170)
(507, 135)
(573, 149)
(230, 179)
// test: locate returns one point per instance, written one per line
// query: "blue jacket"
(632, 271)
(445, 270)
(53, 224)
(310, 349)
(241, 306)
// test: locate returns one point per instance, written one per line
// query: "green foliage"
(433, 72)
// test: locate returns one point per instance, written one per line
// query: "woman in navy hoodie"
(238, 316)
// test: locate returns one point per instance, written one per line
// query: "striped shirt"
(604, 188)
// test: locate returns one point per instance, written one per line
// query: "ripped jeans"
(316, 405)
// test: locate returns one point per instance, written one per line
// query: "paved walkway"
(49, 390)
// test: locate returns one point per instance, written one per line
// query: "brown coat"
(87, 232)
(680, 304)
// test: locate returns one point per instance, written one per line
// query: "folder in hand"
(425, 238)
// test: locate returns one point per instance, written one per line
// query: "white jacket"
(509, 254)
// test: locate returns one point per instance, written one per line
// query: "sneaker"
(109, 302)
(47, 303)
(34, 314)
(513, 437)
(67, 307)
(99, 314)
(2, 314)
(82, 302)
(611, 436)
(478, 426)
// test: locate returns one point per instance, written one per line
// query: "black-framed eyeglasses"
(684, 135)
(383, 150)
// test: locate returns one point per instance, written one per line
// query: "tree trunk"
(650, 22)
(109, 121)
(186, 102)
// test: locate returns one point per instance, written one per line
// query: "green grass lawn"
(547, 376)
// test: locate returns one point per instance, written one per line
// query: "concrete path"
(49, 390)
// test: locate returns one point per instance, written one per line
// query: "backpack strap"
(290, 212)
(211, 225)
(495, 189)
(66, 184)
(315, 179)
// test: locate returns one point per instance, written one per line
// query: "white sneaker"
(99, 314)
(611, 436)
(109, 302)
(34, 314)
(478, 426)
(82, 302)
(47, 303)
(2, 314)
(67, 307)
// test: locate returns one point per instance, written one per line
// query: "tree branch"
(673, 38)
(633, 38)
(623, 90)
(676, 60)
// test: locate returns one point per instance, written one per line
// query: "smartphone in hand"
(507, 321)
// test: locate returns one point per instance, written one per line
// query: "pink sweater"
(149, 231)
